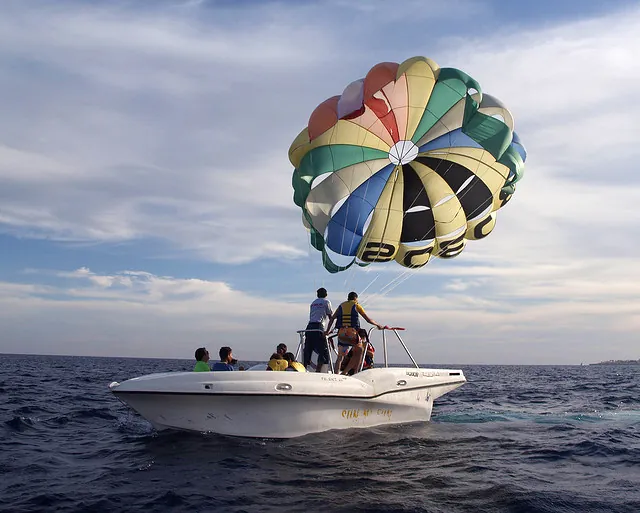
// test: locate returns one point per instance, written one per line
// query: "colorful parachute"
(408, 163)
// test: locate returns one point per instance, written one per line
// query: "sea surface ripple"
(513, 439)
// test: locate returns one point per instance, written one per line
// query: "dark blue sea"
(513, 439)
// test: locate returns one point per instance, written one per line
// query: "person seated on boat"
(369, 349)
(227, 361)
(281, 349)
(292, 364)
(369, 354)
(202, 359)
(357, 353)
(277, 363)
(347, 317)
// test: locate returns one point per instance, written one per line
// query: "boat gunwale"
(287, 394)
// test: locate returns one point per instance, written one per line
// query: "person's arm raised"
(369, 319)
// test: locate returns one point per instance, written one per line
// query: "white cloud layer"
(174, 125)
(124, 125)
(140, 314)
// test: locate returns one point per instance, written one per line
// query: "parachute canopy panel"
(414, 161)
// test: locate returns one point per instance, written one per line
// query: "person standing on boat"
(202, 359)
(227, 361)
(319, 311)
(347, 317)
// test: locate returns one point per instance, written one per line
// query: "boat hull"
(284, 404)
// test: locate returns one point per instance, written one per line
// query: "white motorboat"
(268, 404)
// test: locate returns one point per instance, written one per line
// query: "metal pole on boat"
(384, 348)
(405, 347)
(360, 367)
(302, 334)
(331, 365)
(300, 344)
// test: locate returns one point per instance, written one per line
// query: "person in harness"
(351, 363)
(347, 317)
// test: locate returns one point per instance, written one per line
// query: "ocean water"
(513, 439)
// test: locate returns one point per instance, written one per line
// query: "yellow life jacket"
(278, 365)
(298, 366)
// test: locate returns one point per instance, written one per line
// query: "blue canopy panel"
(454, 139)
(519, 147)
(345, 229)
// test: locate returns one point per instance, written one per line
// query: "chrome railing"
(331, 348)
(301, 344)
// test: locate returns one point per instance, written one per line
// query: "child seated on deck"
(277, 363)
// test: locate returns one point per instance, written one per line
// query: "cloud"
(135, 313)
(172, 124)
(126, 125)
(572, 89)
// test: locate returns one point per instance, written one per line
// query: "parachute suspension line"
(408, 272)
(370, 283)
(375, 294)
(386, 288)
(480, 176)
(405, 276)
(386, 224)
(373, 298)
(391, 285)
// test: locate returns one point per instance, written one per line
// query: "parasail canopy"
(406, 164)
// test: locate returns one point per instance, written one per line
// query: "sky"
(145, 189)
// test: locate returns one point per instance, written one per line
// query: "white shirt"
(320, 310)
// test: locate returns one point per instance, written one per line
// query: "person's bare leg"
(356, 359)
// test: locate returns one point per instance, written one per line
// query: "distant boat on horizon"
(617, 362)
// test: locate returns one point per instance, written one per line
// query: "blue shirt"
(222, 366)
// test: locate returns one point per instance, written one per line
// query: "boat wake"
(478, 417)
